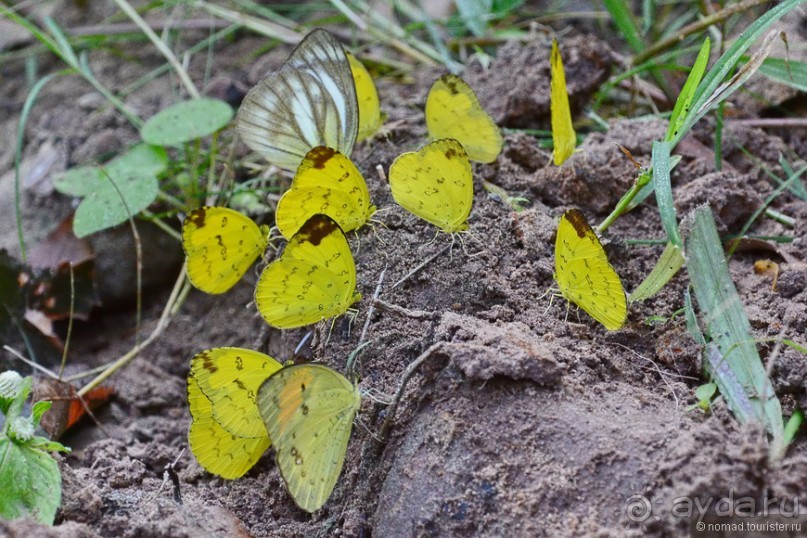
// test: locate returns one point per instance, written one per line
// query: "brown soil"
(528, 419)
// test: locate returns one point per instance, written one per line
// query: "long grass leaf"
(30, 99)
(666, 267)
(726, 62)
(684, 100)
(663, 189)
(623, 19)
(793, 74)
(735, 362)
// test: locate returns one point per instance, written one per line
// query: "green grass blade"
(41, 36)
(663, 189)
(793, 425)
(735, 361)
(65, 50)
(688, 91)
(693, 327)
(771, 197)
(727, 61)
(777, 69)
(666, 267)
(623, 19)
(30, 99)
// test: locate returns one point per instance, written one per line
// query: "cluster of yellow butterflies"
(306, 118)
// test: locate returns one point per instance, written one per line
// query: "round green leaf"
(78, 181)
(186, 121)
(105, 207)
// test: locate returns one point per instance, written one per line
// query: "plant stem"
(694, 28)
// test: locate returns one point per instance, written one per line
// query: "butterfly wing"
(329, 183)
(370, 115)
(309, 102)
(584, 275)
(220, 245)
(563, 137)
(230, 378)
(216, 449)
(308, 410)
(453, 111)
(435, 183)
(314, 278)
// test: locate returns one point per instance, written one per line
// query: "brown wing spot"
(451, 83)
(317, 228)
(197, 216)
(578, 221)
(320, 155)
(207, 363)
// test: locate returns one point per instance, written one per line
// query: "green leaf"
(704, 394)
(623, 19)
(29, 481)
(84, 180)
(142, 158)
(39, 409)
(114, 201)
(666, 267)
(475, 14)
(726, 62)
(186, 121)
(505, 7)
(663, 188)
(78, 181)
(793, 425)
(681, 109)
(732, 358)
(777, 69)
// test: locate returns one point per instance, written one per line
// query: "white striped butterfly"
(309, 102)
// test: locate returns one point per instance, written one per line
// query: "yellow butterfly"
(309, 102)
(220, 245)
(308, 410)
(584, 275)
(314, 278)
(436, 184)
(370, 115)
(227, 435)
(453, 111)
(563, 137)
(326, 182)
